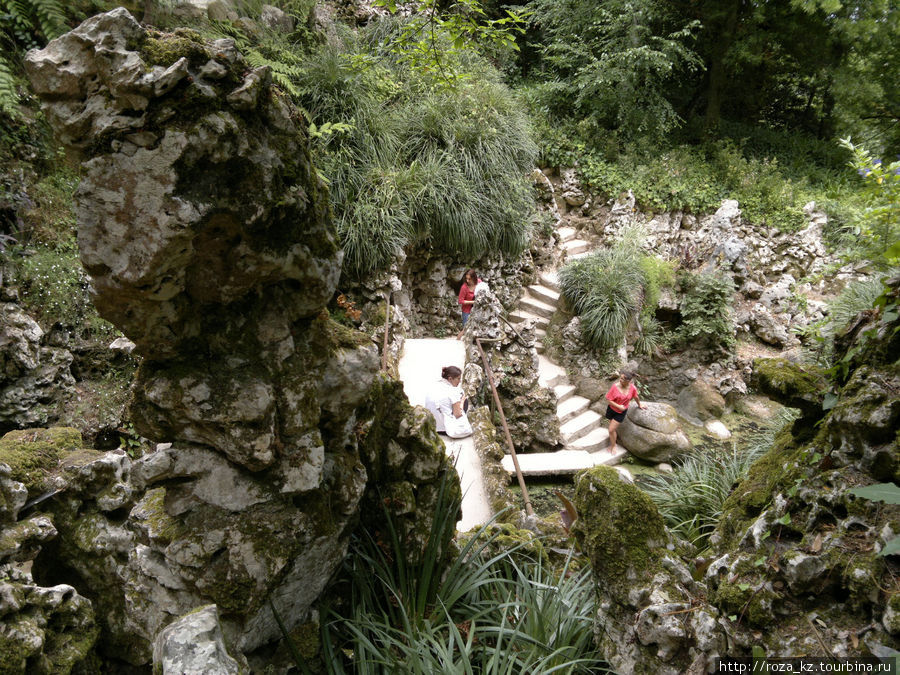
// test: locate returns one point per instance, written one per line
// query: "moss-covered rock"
(791, 384)
(34, 455)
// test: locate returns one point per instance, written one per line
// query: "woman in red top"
(467, 296)
(620, 394)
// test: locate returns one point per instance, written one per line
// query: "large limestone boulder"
(651, 614)
(653, 434)
(208, 236)
(700, 401)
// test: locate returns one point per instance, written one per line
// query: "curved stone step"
(594, 441)
(565, 233)
(550, 374)
(571, 407)
(563, 391)
(544, 293)
(549, 279)
(575, 247)
(518, 315)
(537, 307)
(579, 426)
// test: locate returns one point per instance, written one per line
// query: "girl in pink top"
(467, 296)
(620, 394)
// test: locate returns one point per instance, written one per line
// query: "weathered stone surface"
(651, 618)
(209, 240)
(653, 434)
(790, 384)
(34, 455)
(529, 408)
(194, 645)
(699, 402)
(33, 373)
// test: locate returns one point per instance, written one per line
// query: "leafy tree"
(615, 61)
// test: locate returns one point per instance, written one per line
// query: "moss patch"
(34, 454)
(618, 525)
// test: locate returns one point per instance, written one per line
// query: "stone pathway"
(584, 438)
(419, 368)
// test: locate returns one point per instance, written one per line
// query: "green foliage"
(611, 62)
(888, 493)
(54, 288)
(879, 226)
(605, 290)
(411, 163)
(690, 498)
(434, 40)
(494, 609)
(706, 310)
(24, 24)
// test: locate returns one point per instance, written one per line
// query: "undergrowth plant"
(491, 610)
(690, 498)
(706, 310)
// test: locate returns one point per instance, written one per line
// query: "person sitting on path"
(467, 296)
(620, 394)
(448, 404)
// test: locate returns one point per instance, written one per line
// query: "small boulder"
(194, 644)
(653, 434)
(699, 401)
(275, 19)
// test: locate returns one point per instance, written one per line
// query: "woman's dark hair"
(462, 280)
(450, 371)
(627, 374)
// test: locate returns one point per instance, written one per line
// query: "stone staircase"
(585, 440)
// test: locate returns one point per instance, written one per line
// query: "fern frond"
(9, 95)
(51, 17)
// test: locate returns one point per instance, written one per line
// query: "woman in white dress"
(448, 404)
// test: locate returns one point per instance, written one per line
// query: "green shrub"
(54, 288)
(706, 310)
(605, 290)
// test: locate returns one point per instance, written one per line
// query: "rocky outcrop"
(34, 375)
(651, 615)
(208, 237)
(529, 408)
(43, 629)
(699, 402)
(653, 434)
(194, 645)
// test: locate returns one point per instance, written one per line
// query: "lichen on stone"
(35, 454)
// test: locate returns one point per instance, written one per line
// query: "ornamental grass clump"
(690, 499)
(490, 609)
(605, 290)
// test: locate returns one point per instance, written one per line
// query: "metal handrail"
(387, 327)
(512, 450)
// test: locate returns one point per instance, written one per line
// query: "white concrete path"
(419, 368)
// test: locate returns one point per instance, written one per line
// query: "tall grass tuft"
(415, 163)
(487, 611)
(605, 289)
(690, 498)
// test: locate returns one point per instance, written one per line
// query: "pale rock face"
(31, 372)
(209, 240)
(194, 645)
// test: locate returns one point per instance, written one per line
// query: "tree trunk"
(716, 67)
(149, 7)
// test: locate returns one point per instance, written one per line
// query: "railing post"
(512, 450)
(387, 326)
